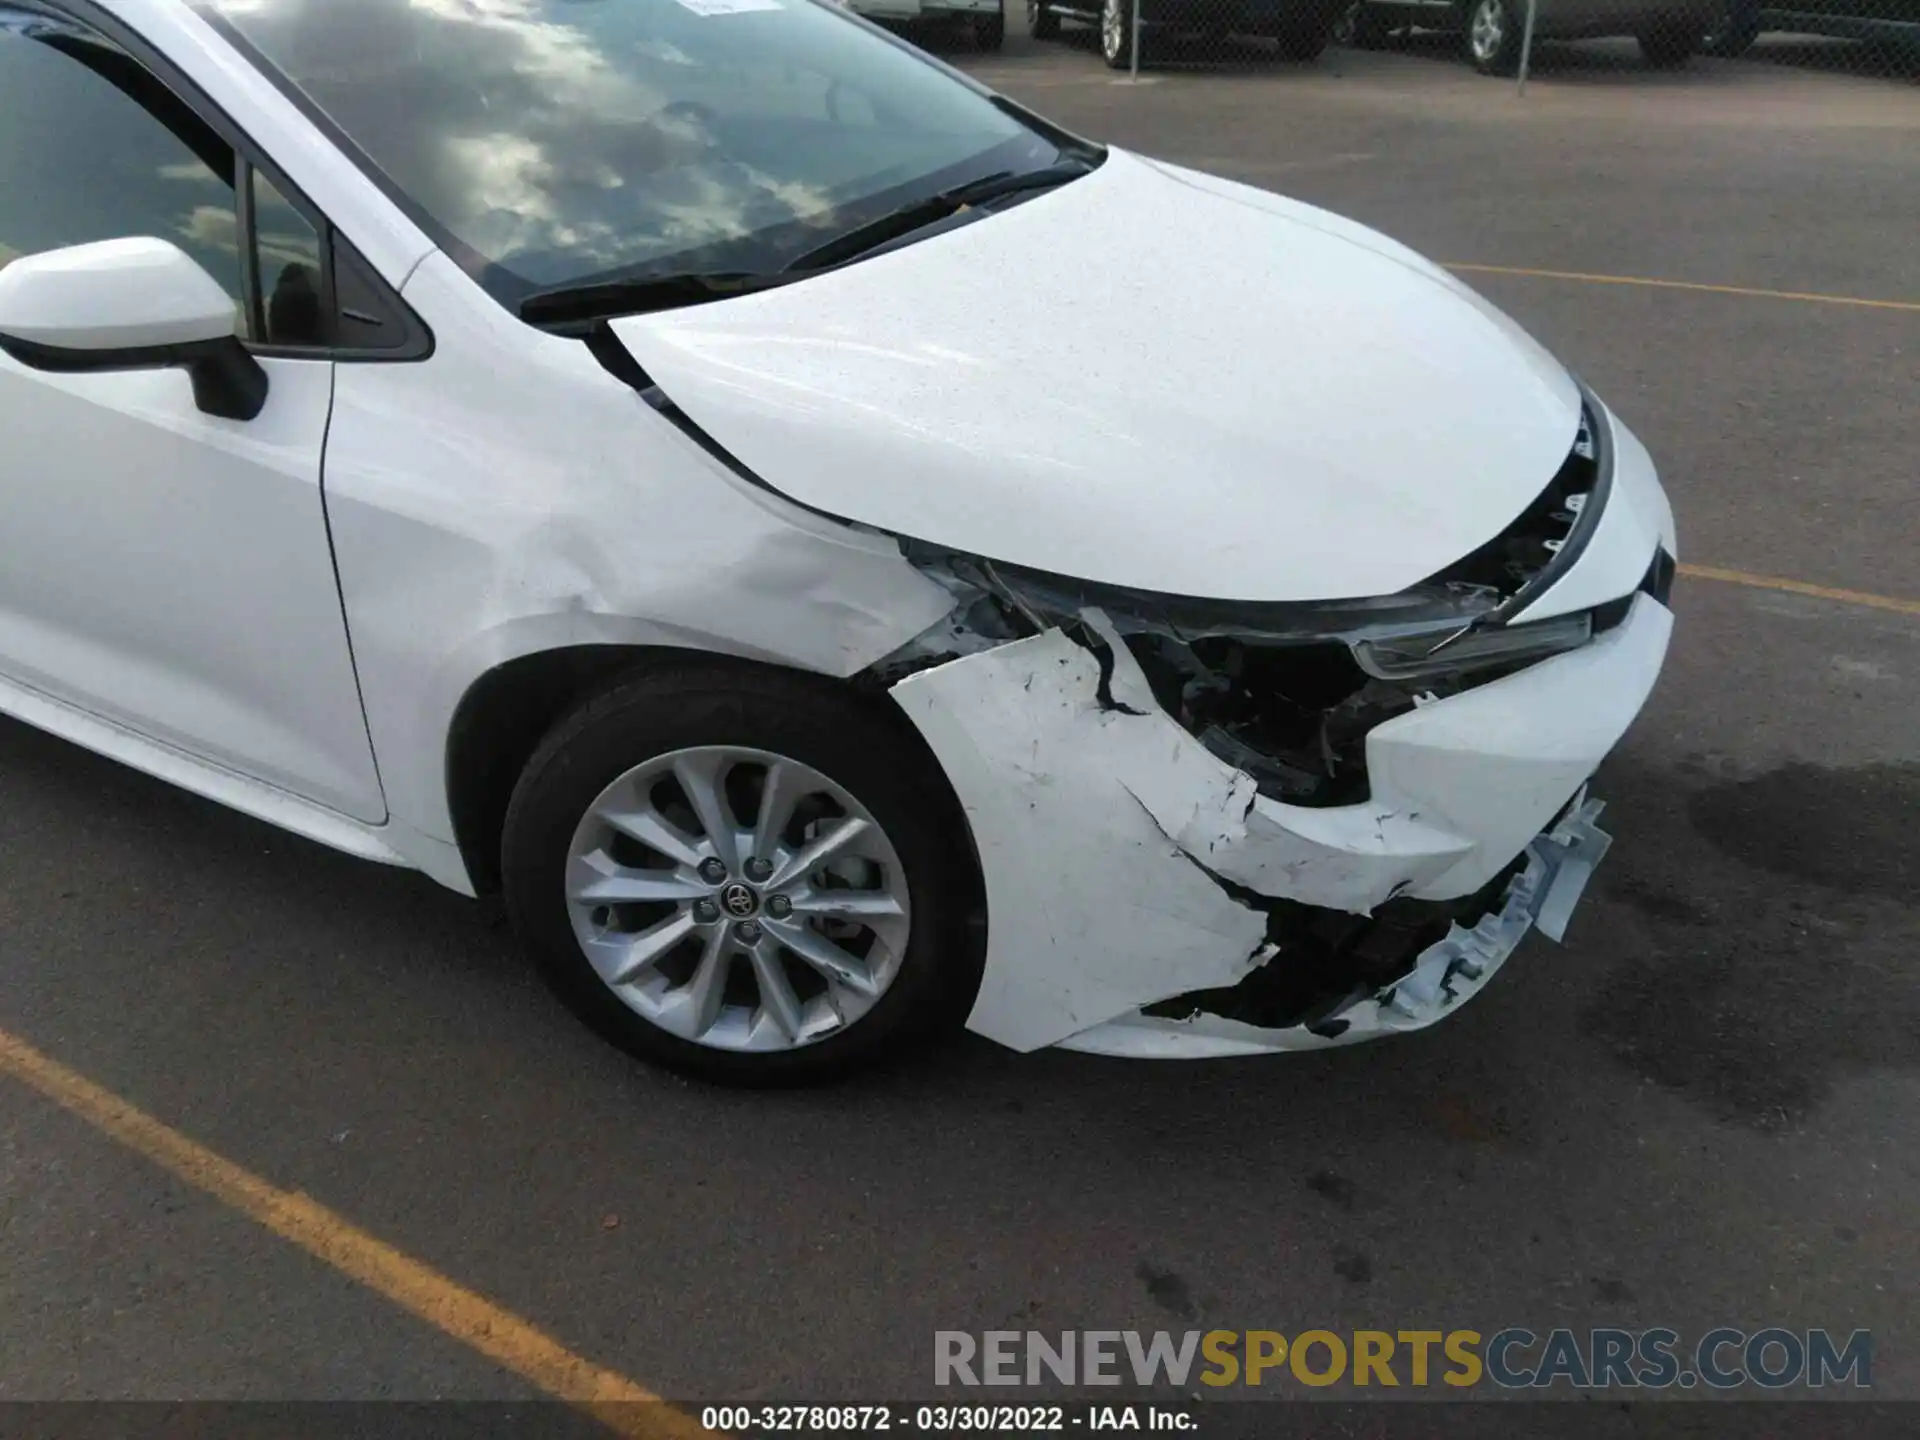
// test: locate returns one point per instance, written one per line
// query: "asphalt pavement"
(1701, 1111)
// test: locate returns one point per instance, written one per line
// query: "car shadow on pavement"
(1832, 56)
(1618, 60)
(1615, 60)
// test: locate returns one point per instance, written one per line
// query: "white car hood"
(1148, 377)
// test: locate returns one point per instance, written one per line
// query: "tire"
(1491, 35)
(849, 763)
(1304, 42)
(1116, 33)
(1670, 45)
(990, 32)
(1362, 27)
(1733, 30)
(1042, 22)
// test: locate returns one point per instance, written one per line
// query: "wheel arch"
(498, 724)
(507, 711)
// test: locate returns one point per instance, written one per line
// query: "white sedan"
(670, 461)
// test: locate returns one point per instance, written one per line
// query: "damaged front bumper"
(1126, 865)
(1446, 975)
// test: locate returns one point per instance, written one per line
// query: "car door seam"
(340, 593)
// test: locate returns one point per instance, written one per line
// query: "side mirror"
(134, 304)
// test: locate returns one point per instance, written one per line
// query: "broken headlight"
(1426, 653)
(1288, 692)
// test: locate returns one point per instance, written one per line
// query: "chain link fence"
(1511, 40)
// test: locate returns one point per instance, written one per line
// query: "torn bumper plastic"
(1448, 973)
(1124, 862)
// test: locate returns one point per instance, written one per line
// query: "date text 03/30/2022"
(947, 1419)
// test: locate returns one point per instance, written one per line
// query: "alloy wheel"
(1113, 31)
(1487, 30)
(737, 899)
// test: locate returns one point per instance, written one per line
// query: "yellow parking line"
(1801, 587)
(1911, 305)
(472, 1319)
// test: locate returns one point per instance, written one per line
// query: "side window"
(287, 254)
(94, 147)
(82, 160)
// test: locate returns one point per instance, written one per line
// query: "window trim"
(416, 342)
(250, 260)
(253, 282)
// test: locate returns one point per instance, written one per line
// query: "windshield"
(552, 142)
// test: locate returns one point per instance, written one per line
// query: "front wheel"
(754, 877)
(1669, 45)
(1117, 39)
(1043, 23)
(1492, 37)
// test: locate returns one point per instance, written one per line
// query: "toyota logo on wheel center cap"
(739, 901)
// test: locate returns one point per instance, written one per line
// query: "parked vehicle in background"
(1738, 23)
(983, 20)
(1491, 31)
(1301, 27)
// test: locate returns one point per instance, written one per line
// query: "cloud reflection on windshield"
(555, 138)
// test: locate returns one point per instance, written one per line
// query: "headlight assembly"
(1424, 654)
(1287, 691)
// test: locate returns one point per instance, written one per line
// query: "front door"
(160, 567)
